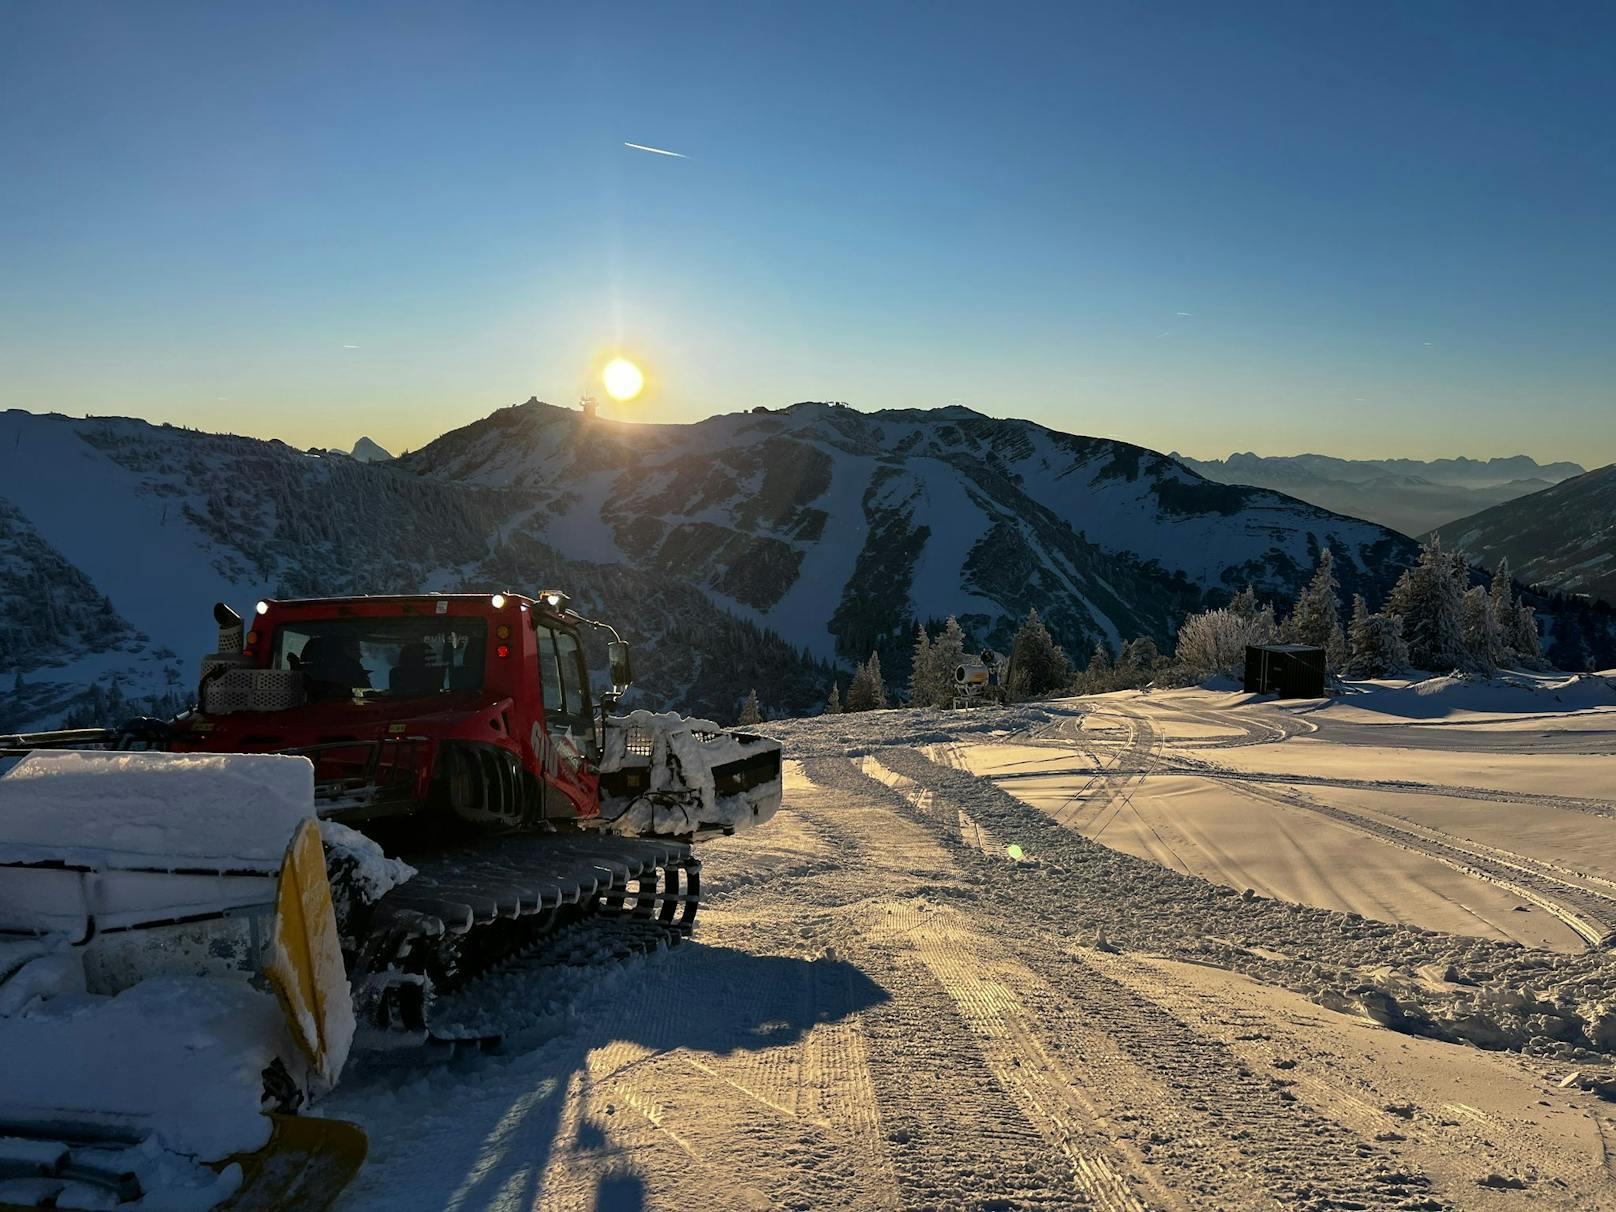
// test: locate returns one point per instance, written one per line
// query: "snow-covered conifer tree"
(1316, 618)
(833, 704)
(867, 693)
(1100, 661)
(1139, 655)
(1483, 639)
(1037, 663)
(751, 713)
(921, 673)
(1377, 644)
(1527, 644)
(947, 651)
(1429, 599)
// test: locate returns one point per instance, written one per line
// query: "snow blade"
(305, 1165)
(305, 962)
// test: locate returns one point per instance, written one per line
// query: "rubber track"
(473, 909)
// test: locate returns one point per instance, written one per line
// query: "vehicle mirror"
(622, 666)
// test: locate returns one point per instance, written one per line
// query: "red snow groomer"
(459, 732)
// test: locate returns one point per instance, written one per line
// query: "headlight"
(497, 601)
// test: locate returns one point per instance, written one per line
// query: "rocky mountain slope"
(838, 528)
(1409, 495)
(1563, 537)
(766, 549)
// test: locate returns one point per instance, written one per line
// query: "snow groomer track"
(477, 909)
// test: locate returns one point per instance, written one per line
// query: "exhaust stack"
(230, 628)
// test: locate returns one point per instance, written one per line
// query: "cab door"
(564, 738)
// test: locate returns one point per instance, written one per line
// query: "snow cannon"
(172, 987)
(977, 677)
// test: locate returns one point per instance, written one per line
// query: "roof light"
(554, 599)
(497, 601)
(262, 608)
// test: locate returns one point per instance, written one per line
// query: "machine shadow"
(490, 1148)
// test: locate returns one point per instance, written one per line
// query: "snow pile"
(171, 1070)
(219, 811)
(682, 796)
(1459, 697)
(368, 872)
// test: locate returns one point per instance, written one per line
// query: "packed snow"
(988, 958)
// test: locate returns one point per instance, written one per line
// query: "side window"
(572, 668)
(550, 673)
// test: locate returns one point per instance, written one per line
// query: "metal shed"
(1291, 671)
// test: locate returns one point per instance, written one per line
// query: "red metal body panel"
(508, 712)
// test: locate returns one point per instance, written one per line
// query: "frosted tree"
(1316, 618)
(1502, 593)
(947, 651)
(833, 705)
(1483, 638)
(751, 713)
(1244, 605)
(1527, 644)
(1429, 599)
(1214, 641)
(921, 672)
(1139, 656)
(868, 692)
(1038, 665)
(1100, 660)
(1376, 642)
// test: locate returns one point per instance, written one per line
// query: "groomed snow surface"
(1179, 949)
(887, 1007)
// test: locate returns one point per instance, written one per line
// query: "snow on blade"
(679, 757)
(224, 811)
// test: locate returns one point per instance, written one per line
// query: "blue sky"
(1362, 230)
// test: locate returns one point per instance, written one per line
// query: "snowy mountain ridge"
(837, 527)
(753, 549)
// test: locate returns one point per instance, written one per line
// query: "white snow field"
(922, 985)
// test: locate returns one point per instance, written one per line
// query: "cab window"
(572, 675)
(561, 675)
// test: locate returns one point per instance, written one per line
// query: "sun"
(622, 378)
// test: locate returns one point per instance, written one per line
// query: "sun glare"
(622, 378)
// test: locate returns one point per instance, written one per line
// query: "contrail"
(657, 150)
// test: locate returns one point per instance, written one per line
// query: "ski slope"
(886, 1007)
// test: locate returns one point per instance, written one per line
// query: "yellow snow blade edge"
(304, 1166)
(305, 965)
(307, 1161)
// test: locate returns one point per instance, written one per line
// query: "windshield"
(399, 657)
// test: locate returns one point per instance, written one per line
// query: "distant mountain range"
(771, 549)
(1564, 536)
(1408, 495)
